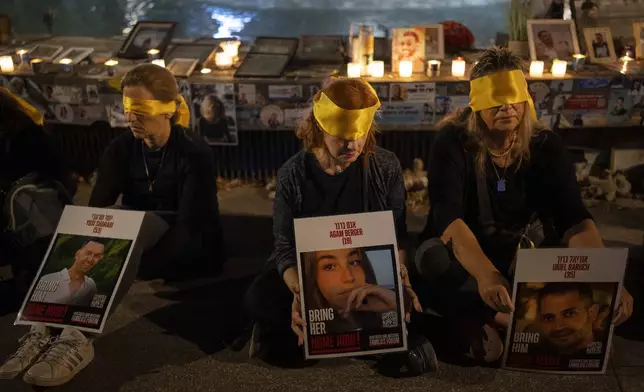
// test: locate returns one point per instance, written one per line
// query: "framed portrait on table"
(599, 42)
(326, 49)
(275, 45)
(638, 33)
(182, 67)
(263, 65)
(145, 36)
(408, 44)
(552, 39)
(76, 55)
(45, 52)
(434, 41)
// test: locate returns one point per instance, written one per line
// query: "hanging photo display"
(363, 315)
(213, 113)
(565, 300)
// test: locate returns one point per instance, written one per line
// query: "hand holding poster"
(351, 292)
(82, 268)
(564, 302)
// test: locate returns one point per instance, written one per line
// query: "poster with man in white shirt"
(71, 285)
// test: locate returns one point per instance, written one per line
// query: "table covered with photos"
(579, 100)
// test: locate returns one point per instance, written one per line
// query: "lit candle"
(353, 70)
(433, 68)
(559, 68)
(223, 60)
(405, 68)
(206, 70)
(231, 48)
(578, 61)
(6, 64)
(536, 69)
(36, 65)
(65, 61)
(458, 68)
(377, 69)
(159, 62)
(111, 64)
(153, 54)
(23, 55)
(625, 60)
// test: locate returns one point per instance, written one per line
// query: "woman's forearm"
(584, 235)
(467, 250)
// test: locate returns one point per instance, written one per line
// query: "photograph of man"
(566, 317)
(213, 124)
(600, 46)
(345, 280)
(396, 93)
(551, 45)
(636, 88)
(409, 45)
(619, 109)
(71, 285)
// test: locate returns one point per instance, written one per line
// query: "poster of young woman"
(351, 292)
(564, 302)
(82, 269)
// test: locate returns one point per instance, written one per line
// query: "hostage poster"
(82, 269)
(564, 301)
(350, 286)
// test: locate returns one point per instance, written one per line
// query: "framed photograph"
(145, 36)
(182, 67)
(75, 54)
(200, 52)
(408, 44)
(321, 48)
(45, 52)
(434, 41)
(263, 65)
(552, 39)
(638, 33)
(273, 45)
(629, 162)
(599, 42)
(5, 29)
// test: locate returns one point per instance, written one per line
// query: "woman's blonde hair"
(350, 94)
(159, 81)
(491, 61)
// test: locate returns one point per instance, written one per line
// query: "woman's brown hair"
(350, 94)
(159, 81)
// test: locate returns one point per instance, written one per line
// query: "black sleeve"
(198, 209)
(447, 178)
(397, 201)
(561, 181)
(110, 177)
(283, 230)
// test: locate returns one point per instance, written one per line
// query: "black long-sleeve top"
(385, 191)
(546, 185)
(184, 178)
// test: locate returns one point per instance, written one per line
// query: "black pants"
(444, 286)
(268, 302)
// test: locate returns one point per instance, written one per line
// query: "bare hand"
(297, 322)
(371, 298)
(410, 297)
(494, 291)
(625, 308)
(292, 280)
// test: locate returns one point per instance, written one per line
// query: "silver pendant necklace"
(147, 172)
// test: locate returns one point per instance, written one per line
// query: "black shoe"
(419, 359)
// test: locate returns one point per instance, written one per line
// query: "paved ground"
(166, 338)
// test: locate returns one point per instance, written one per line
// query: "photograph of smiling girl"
(350, 295)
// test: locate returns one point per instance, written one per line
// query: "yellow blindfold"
(343, 123)
(151, 107)
(24, 106)
(500, 88)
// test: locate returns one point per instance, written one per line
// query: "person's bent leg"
(268, 302)
(448, 289)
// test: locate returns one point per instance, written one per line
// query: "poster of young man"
(82, 268)
(351, 293)
(564, 302)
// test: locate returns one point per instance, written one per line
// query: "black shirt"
(185, 183)
(325, 194)
(546, 185)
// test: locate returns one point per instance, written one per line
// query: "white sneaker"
(66, 356)
(31, 346)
